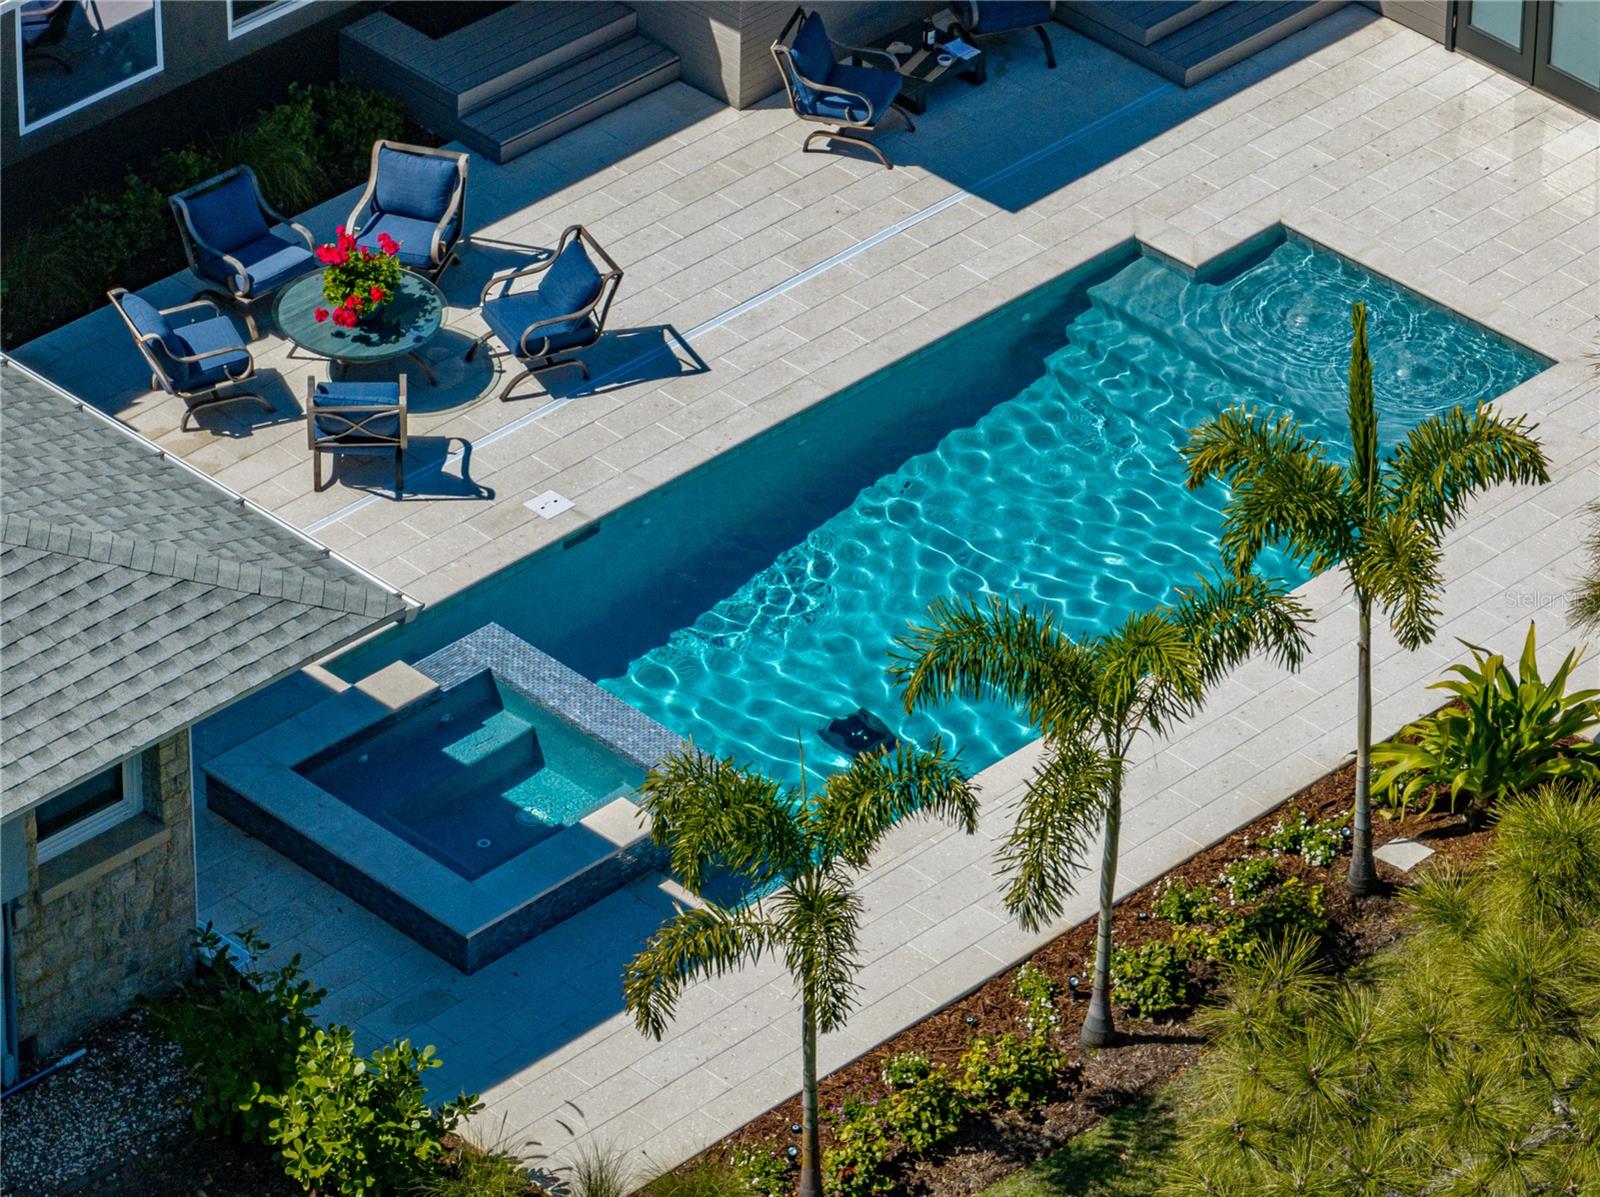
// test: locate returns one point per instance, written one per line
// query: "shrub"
(926, 1113)
(762, 1170)
(1248, 878)
(358, 1126)
(853, 1165)
(1153, 980)
(1508, 733)
(239, 1029)
(906, 1069)
(1317, 843)
(1182, 904)
(1038, 991)
(471, 1170)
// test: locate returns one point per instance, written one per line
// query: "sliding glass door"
(1552, 44)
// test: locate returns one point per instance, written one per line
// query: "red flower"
(388, 244)
(353, 302)
(321, 314)
(376, 294)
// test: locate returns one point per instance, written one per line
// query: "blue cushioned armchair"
(826, 91)
(567, 310)
(357, 419)
(228, 233)
(192, 361)
(419, 197)
(985, 18)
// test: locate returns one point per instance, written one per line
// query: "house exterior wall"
(724, 46)
(1425, 16)
(110, 919)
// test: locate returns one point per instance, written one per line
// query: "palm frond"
(696, 943)
(1229, 618)
(1448, 458)
(1054, 829)
(1299, 501)
(708, 811)
(1242, 442)
(859, 805)
(1362, 411)
(1398, 565)
(1148, 668)
(1585, 607)
(818, 919)
(971, 650)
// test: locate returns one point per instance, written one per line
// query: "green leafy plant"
(1038, 991)
(1014, 1069)
(1383, 522)
(763, 1170)
(905, 1069)
(854, 1163)
(1181, 904)
(239, 1029)
(1247, 878)
(471, 1169)
(1153, 980)
(358, 1125)
(1316, 843)
(925, 1114)
(1508, 733)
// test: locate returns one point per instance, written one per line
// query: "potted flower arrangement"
(358, 281)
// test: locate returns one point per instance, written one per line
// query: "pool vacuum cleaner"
(859, 734)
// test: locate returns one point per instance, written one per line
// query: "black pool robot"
(859, 734)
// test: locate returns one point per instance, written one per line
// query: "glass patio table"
(400, 329)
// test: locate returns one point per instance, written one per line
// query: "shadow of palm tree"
(1122, 1157)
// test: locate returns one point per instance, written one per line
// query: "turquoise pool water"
(1033, 455)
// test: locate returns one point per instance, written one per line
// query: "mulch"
(1148, 1055)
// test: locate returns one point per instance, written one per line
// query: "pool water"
(475, 777)
(1033, 455)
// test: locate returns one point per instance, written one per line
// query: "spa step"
(1206, 44)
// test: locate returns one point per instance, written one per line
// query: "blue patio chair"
(191, 361)
(567, 310)
(826, 91)
(986, 18)
(418, 196)
(227, 230)
(357, 419)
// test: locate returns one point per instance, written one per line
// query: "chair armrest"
(191, 305)
(200, 357)
(833, 89)
(451, 212)
(522, 341)
(873, 52)
(505, 276)
(305, 234)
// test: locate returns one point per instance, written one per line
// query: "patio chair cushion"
(149, 321)
(270, 261)
(812, 52)
(415, 185)
(572, 281)
(381, 428)
(509, 317)
(1002, 16)
(415, 236)
(880, 87)
(203, 336)
(229, 215)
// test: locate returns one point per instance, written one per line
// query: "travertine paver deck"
(1420, 164)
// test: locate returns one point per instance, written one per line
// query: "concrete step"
(553, 104)
(1210, 42)
(1145, 21)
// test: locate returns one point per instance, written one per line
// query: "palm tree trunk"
(1363, 878)
(1098, 1030)
(810, 1144)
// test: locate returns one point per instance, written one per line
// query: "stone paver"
(1366, 137)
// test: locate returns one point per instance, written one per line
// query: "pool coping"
(466, 922)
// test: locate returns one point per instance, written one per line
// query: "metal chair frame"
(791, 74)
(242, 297)
(970, 36)
(356, 420)
(440, 254)
(535, 353)
(205, 397)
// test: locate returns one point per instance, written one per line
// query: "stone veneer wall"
(110, 919)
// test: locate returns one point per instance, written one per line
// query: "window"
(71, 53)
(245, 15)
(93, 805)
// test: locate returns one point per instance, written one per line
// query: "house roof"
(138, 596)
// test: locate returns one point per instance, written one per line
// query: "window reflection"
(75, 51)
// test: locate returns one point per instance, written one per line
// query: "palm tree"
(1383, 523)
(1584, 610)
(1090, 698)
(802, 851)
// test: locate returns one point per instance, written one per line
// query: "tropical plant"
(1384, 522)
(1090, 698)
(1247, 878)
(1508, 733)
(357, 1125)
(802, 851)
(1584, 609)
(474, 1169)
(1467, 1060)
(1316, 843)
(1153, 979)
(239, 1028)
(599, 1170)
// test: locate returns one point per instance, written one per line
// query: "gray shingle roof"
(137, 597)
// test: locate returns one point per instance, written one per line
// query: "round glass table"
(400, 329)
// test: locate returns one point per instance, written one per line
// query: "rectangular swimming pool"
(1032, 455)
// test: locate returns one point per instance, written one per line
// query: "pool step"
(1190, 42)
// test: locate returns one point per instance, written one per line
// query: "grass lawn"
(1122, 1157)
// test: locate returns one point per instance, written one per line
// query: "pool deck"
(781, 278)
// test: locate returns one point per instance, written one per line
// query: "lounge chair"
(227, 230)
(986, 18)
(191, 361)
(826, 91)
(357, 418)
(419, 197)
(567, 310)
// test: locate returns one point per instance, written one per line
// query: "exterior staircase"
(514, 80)
(1190, 40)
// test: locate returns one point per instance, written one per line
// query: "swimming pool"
(1033, 455)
